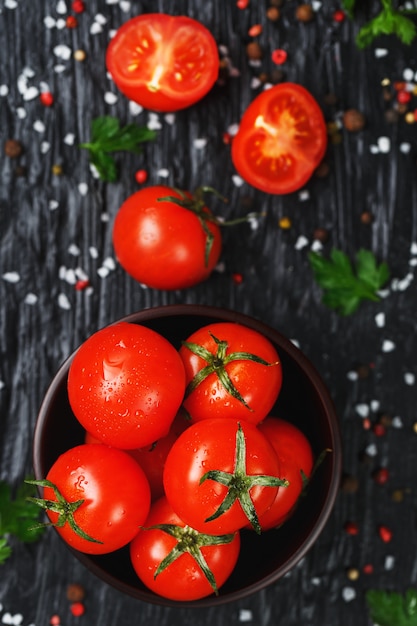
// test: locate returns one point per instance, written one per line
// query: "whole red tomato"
(96, 497)
(199, 568)
(296, 462)
(219, 474)
(231, 370)
(282, 138)
(166, 244)
(163, 62)
(125, 385)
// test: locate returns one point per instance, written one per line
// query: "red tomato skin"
(182, 80)
(210, 445)
(301, 144)
(116, 493)
(183, 579)
(125, 385)
(258, 384)
(295, 455)
(160, 244)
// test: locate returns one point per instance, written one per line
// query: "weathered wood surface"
(50, 224)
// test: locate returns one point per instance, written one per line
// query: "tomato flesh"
(163, 62)
(281, 140)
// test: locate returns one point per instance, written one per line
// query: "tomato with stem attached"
(230, 370)
(125, 385)
(163, 62)
(281, 139)
(177, 562)
(219, 474)
(96, 497)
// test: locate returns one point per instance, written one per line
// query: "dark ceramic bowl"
(304, 400)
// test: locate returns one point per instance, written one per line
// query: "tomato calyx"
(216, 363)
(239, 483)
(61, 506)
(195, 202)
(190, 541)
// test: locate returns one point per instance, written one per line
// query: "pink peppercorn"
(237, 278)
(368, 568)
(351, 528)
(385, 533)
(141, 176)
(46, 98)
(255, 30)
(381, 476)
(279, 56)
(71, 22)
(403, 96)
(55, 620)
(77, 609)
(242, 4)
(339, 16)
(78, 6)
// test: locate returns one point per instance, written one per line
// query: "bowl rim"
(227, 315)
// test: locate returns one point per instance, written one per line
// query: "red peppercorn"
(77, 609)
(55, 620)
(71, 22)
(78, 6)
(351, 528)
(227, 138)
(279, 56)
(385, 533)
(237, 278)
(368, 568)
(141, 176)
(339, 16)
(379, 430)
(80, 285)
(403, 96)
(381, 476)
(242, 4)
(46, 98)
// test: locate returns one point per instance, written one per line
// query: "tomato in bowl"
(303, 400)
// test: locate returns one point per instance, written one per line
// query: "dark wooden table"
(55, 227)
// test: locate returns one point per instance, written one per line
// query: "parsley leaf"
(108, 136)
(389, 608)
(344, 285)
(17, 517)
(388, 22)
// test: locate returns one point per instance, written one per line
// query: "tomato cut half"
(282, 138)
(163, 62)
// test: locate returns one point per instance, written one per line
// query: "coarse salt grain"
(21, 113)
(83, 189)
(74, 250)
(10, 4)
(352, 375)
(13, 620)
(409, 378)
(413, 248)
(408, 74)
(375, 404)
(31, 298)
(384, 144)
(245, 615)
(316, 5)
(105, 217)
(96, 28)
(163, 172)
(405, 147)
(63, 302)
(53, 205)
(103, 272)
(381, 52)
(371, 450)
(61, 23)
(135, 108)
(45, 147)
(348, 594)
(2, 386)
(200, 143)
(61, 7)
(110, 97)
(125, 5)
(317, 246)
(62, 52)
(380, 320)
(389, 562)
(169, 118)
(154, 123)
(93, 252)
(4, 90)
(69, 139)
(397, 422)
(39, 126)
(30, 94)
(70, 277)
(388, 345)
(362, 409)
(301, 242)
(59, 68)
(11, 277)
(110, 263)
(49, 21)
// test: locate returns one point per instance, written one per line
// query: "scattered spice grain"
(304, 13)
(353, 120)
(13, 148)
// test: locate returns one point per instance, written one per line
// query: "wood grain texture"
(43, 318)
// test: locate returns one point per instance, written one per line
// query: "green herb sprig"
(107, 135)
(389, 21)
(346, 285)
(390, 608)
(17, 517)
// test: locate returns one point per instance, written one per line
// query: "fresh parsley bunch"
(17, 517)
(107, 135)
(389, 608)
(344, 285)
(389, 21)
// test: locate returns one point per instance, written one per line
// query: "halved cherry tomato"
(282, 138)
(166, 239)
(163, 62)
(177, 562)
